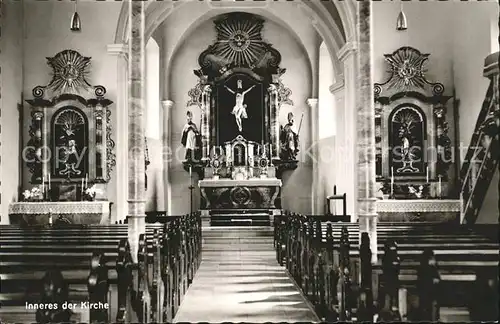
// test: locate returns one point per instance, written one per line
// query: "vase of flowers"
(35, 194)
(90, 193)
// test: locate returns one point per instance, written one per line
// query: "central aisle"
(239, 280)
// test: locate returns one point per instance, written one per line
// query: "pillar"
(365, 108)
(120, 52)
(348, 55)
(317, 201)
(136, 112)
(338, 91)
(168, 153)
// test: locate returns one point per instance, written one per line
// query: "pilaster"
(136, 140)
(120, 52)
(314, 113)
(168, 153)
(365, 107)
(347, 142)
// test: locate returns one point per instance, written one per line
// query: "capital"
(312, 103)
(337, 86)
(167, 104)
(347, 50)
(118, 49)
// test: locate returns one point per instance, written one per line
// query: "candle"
(82, 185)
(439, 186)
(86, 180)
(43, 186)
(49, 181)
(392, 174)
(190, 172)
(427, 174)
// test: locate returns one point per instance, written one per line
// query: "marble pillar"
(365, 108)
(317, 201)
(136, 120)
(348, 55)
(168, 153)
(120, 52)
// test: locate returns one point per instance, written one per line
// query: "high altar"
(69, 153)
(240, 150)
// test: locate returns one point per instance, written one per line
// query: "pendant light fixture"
(75, 21)
(401, 23)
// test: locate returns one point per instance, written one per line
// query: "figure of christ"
(239, 109)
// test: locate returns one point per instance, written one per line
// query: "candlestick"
(49, 181)
(86, 180)
(82, 185)
(190, 172)
(427, 174)
(392, 174)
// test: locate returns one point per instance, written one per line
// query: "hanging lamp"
(401, 23)
(75, 21)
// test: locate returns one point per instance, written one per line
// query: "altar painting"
(406, 139)
(240, 109)
(70, 146)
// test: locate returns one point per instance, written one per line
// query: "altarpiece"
(239, 94)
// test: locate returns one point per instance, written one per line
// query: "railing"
(482, 157)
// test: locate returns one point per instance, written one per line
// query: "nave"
(188, 273)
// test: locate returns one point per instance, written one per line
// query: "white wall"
(11, 82)
(295, 195)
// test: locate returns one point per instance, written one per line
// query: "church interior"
(249, 161)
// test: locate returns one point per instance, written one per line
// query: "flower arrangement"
(91, 192)
(35, 194)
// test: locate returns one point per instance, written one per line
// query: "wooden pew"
(307, 247)
(187, 231)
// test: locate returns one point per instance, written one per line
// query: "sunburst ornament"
(407, 68)
(70, 70)
(239, 39)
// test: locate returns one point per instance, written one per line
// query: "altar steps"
(252, 240)
(240, 218)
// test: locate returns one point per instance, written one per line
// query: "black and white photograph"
(249, 161)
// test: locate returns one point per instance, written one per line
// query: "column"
(314, 113)
(120, 134)
(337, 90)
(136, 143)
(347, 147)
(274, 154)
(205, 122)
(168, 153)
(365, 108)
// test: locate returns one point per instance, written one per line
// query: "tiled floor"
(243, 286)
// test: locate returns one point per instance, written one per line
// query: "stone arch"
(322, 20)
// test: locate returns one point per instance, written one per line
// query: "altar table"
(74, 212)
(261, 193)
(414, 210)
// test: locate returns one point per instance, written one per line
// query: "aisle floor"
(243, 286)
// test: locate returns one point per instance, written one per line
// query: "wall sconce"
(75, 21)
(401, 23)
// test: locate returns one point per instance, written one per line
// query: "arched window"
(326, 111)
(153, 119)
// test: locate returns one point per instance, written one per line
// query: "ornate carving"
(284, 93)
(70, 70)
(195, 94)
(240, 196)
(110, 145)
(407, 71)
(239, 44)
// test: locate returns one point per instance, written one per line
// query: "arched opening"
(153, 128)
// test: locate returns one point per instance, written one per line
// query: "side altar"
(240, 149)
(70, 150)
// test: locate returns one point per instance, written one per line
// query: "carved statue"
(239, 109)
(191, 138)
(289, 140)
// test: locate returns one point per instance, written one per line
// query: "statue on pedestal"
(191, 139)
(289, 139)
